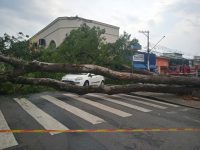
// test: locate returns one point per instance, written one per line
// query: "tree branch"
(106, 89)
(25, 67)
(12, 61)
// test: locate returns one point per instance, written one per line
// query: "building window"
(42, 42)
(52, 44)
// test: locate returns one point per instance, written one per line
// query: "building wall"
(58, 29)
(141, 64)
(173, 55)
(162, 64)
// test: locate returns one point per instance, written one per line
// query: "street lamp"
(146, 33)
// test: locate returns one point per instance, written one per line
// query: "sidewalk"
(171, 98)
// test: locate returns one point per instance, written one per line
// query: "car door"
(96, 80)
(93, 79)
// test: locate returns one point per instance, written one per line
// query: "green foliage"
(6, 88)
(48, 55)
(134, 42)
(9, 88)
(17, 47)
(118, 52)
(84, 45)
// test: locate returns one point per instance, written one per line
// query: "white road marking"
(47, 121)
(99, 105)
(76, 111)
(142, 102)
(121, 103)
(146, 99)
(6, 139)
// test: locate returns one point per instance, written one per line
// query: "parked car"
(84, 79)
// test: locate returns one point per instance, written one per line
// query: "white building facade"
(57, 30)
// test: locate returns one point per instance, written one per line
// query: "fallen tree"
(179, 85)
(105, 89)
(22, 67)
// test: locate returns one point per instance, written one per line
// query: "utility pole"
(146, 33)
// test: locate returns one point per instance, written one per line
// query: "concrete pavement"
(96, 111)
(171, 98)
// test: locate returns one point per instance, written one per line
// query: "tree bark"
(114, 89)
(22, 67)
(177, 85)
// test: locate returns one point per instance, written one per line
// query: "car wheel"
(102, 84)
(86, 83)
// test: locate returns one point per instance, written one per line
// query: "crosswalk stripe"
(147, 99)
(76, 111)
(99, 105)
(6, 139)
(40, 116)
(142, 102)
(121, 103)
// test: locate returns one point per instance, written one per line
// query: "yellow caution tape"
(106, 130)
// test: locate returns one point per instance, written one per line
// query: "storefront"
(162, 64)
(140, 60)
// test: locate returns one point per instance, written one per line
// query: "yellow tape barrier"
(106, 130)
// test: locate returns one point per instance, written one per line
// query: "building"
(173, 55)
(179, 66)
(176, 59)
(196, 60)
(140, 61)
(162, 64)
(56, 31)
(196, 63)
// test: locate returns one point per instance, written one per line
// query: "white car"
(84, 79)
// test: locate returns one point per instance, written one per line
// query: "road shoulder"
(171, 98)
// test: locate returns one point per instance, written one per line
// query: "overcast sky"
(178, 20)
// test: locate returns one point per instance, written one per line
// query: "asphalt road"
(95, 111)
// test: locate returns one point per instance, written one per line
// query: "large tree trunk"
(22, 67)
(178, 85)
(105, 89)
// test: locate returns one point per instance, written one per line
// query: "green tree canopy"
(17, 46)
(82, 45)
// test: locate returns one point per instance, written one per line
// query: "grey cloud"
(133, 19)
(11, 24)
(186, 6)
(194, 22)
(30, 16)
(22, 15)
(25, 9)
(151, 23)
